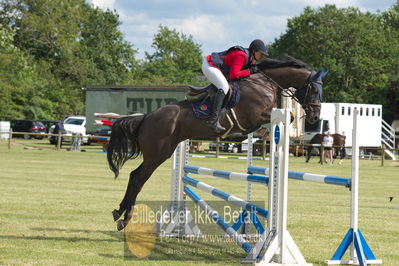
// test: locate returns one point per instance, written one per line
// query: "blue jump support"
(215, 217)
(226, 174)
(225, 196)
(363, 250)
(333, 180)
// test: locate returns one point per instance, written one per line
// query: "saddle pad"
(203, 109)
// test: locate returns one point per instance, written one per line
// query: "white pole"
(272, 219)
(179, 160)
(284, 151)
(249, 163)
(355, 181)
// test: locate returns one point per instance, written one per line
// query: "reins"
(287, 92)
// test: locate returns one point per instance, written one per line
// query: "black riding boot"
(213, 121)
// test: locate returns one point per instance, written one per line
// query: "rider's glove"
(253, 69)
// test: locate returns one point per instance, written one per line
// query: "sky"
(217, 24)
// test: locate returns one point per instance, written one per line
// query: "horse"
(156, 135)
(338, 146)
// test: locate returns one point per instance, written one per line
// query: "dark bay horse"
(338, 146)
(155, 135)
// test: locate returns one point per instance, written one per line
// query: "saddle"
(201, 99)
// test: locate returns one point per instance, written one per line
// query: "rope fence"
(261, 148)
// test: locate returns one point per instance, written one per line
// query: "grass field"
(55, 208)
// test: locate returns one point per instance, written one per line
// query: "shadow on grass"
(216, 248)
(57, 238)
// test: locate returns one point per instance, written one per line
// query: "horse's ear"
(320, 74)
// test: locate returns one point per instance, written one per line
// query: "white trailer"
(338, 117)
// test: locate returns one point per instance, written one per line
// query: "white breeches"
(215, 76)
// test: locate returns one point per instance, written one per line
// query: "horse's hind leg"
(137, 179)
(126, 202)
(309, 153)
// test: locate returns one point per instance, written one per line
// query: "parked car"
(257, 150)
(48, 124)
(73, 125)
(223, 147)
(28, 126)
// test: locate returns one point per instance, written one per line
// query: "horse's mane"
(282, 61)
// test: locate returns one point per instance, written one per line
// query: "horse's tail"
(123, 144)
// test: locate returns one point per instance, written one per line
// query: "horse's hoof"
(116, 215)
(120, 225)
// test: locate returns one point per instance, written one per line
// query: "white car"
(75, 125)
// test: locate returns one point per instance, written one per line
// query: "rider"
(236, 62)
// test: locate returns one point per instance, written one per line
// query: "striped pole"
(222, 157)
(226, 174)
(239, 239)
(225, 196)
(333, 180)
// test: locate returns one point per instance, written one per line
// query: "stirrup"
(216, 126)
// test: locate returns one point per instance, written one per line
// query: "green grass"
(55, 208)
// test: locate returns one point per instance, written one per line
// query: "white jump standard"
(280, 248)
(360, 252)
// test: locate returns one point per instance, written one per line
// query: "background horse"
(338, 142)
(156, 135)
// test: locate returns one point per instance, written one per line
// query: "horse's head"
(310, 95)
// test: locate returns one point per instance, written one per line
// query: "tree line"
(50, 49)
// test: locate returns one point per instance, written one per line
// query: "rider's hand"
(253, 69)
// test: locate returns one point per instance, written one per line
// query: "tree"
(70, 44)
(15, 77)
(104, 45)
(352, 45)
(177, 59)
(390, 19)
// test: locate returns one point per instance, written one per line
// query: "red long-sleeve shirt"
(235, 60)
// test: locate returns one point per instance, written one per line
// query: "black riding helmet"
(258, 45)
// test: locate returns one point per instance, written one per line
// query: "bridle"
(307, 104)
(308, 85)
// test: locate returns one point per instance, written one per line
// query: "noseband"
(302, 98)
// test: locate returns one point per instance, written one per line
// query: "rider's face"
(258, 55)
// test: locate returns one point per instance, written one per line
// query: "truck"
(126, 100)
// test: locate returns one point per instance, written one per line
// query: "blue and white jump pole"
(239, 239)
